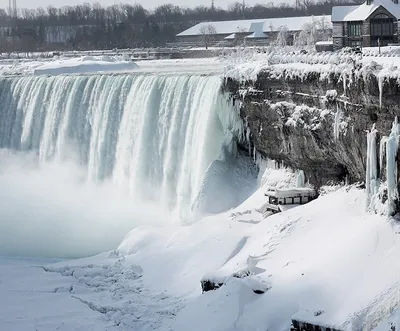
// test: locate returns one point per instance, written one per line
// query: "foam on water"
(143, 137)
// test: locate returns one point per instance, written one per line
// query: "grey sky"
(146, 3)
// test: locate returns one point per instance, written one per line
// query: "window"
(355, 43)
(382, 28)
(355, 29)
(273, 200)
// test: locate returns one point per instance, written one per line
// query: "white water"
(147, 137)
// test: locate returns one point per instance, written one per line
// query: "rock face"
(317, 123)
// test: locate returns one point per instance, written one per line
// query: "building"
(373, 23)
(260, 31)
(283, 199)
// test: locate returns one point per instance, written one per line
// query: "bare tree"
(208, 33)
(312, 32)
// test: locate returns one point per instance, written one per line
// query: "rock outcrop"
(317, 123)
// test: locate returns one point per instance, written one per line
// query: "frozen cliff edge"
(312, 111)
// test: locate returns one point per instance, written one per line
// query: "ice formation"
(375, 186)
(301, 180)
(371, 180)
(391, 167)
(382, 154)
(337, 123)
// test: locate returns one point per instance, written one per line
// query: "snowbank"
(299, 254)
(28, 66)
(245, 65)
(328, 261)
(86, 64)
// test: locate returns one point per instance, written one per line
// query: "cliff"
(317, 121)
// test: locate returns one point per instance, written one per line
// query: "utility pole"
(243, 8)
(212, 5)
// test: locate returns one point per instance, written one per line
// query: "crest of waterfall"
(153, 135)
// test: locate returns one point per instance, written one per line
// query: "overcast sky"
(146, 3)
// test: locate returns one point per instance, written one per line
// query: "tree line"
(92, 26)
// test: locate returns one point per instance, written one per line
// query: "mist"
(50, 210)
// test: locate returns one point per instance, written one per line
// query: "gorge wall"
(317, 122)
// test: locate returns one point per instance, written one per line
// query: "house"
(373, 23)
(258, 31)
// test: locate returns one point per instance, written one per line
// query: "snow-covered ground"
(237, 63)
(247, 63)
(328, 256)
(106, 64)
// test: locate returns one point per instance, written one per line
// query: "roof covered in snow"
(362, 12)
(290, 192)
(256, 27)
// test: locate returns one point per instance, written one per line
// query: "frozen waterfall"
(153, 135)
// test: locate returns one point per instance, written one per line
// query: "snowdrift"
(86, 64)
(328, 256)
(328, 262)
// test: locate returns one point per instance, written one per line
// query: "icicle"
(248, 139)
(344, 77)
(336, 124)
(301, 179)
(254, 154)
(391, 167)
(371, 180)
(382, 150)
(380, 86)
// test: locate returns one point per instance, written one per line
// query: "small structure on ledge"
(284, 199)
(305, 326)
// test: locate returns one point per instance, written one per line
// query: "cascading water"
(152, 135)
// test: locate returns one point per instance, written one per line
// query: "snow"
(256, 26)
(324, 42)
(363, 11)
(221, 27)
(95, 64)
(296, 255)
(85, 64)
(152, 280)
(32, 299)
(246, 65)
(290, 192)
(257, 29)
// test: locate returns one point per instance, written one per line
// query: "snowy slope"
(312, 257)
(329, 255)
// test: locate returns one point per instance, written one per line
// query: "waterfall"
(152, 135)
